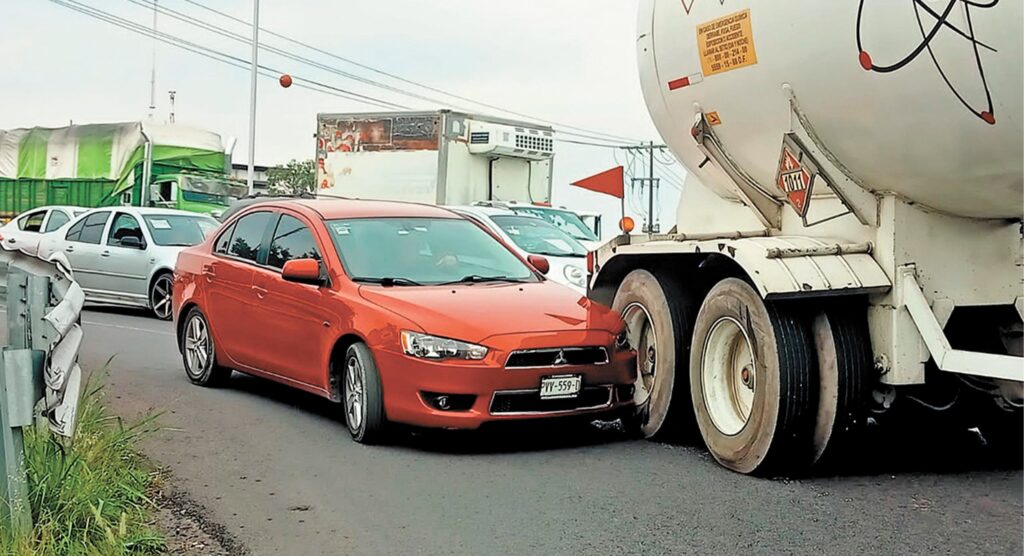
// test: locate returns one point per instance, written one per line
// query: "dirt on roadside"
(184, 522)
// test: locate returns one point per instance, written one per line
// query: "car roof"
(330, 209)
(478, 210)
(142, 211)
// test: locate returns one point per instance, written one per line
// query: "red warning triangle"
(608, 182)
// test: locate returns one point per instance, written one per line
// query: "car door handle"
(260, 292)
(69, 249)
(11, 240)
(208, 272)
(105, 254)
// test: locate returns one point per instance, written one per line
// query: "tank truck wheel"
(753, 379)
(659, 316)
(844, 370)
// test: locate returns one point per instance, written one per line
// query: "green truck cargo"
(133, 163)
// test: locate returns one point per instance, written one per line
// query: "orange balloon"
(627, 224)
(286, 81)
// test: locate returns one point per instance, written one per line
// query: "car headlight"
(425, 346)
(575, 276)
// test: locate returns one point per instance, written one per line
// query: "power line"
(220, 56)
(589, 132)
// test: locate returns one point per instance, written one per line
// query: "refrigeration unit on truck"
(133, 163)
(849, 239)
(441, 157)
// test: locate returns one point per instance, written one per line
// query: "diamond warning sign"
(794, 180)
(726, 43)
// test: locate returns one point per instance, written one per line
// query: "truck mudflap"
(778, 266)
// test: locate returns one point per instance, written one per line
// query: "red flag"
(608, 182)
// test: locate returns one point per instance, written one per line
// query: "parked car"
(584, 227)
(25, 230)
(534, 236)
(406, 313)
(125, 255)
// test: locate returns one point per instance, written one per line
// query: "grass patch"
(89, 500)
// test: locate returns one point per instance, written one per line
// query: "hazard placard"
(726, 43)
(794, 180)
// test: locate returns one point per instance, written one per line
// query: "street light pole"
(252, 93)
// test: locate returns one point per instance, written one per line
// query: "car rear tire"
(659, 317)
(198, 352)
(160, 296)
(753, 380)
(362, 395)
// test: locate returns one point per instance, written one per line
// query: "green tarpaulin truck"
(133, 163)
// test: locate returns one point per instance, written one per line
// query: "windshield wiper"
(387, 281)
(476, 279)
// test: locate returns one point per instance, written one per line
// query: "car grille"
(557, 357)
(528, 401)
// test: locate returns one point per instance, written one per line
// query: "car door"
(25, 234)
(82, 246)
(291, 318)
(229, 275)
(126, 266)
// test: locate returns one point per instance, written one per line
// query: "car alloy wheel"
(355, 399)
(198, 347)
(160, 297)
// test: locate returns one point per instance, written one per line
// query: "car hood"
(475, 312)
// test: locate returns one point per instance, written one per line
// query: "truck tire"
(753, 380)
(845, 366)
(659, 316)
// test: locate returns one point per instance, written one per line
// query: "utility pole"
(152, 69)
(252, 93)
(171, 94)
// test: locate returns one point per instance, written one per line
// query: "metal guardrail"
(39, 374)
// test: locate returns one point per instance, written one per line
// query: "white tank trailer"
(849, 242)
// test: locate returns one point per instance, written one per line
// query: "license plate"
(561, 386)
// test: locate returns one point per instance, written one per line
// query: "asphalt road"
(277, 468)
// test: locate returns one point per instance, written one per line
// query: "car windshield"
(538, 237)
(181, 230)
(423, 251)
(568, 222)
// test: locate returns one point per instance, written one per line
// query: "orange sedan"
(403, 313)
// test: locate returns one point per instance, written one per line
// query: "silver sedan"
(126, 255)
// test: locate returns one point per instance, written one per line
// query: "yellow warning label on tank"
(726, 43)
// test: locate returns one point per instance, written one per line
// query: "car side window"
(91, 230)
(125, 225)
(292, 240)
(57, 219)
(247, 238)
(32, 222)
(221, 247)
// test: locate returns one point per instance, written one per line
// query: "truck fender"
(779, 267)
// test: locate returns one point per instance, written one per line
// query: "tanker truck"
(848, 246)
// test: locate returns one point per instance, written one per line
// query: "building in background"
(241, 172)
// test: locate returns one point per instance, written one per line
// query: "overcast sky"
(570, 61)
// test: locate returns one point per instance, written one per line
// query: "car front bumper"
(488, 391)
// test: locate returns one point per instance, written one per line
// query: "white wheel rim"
(197, 346)
(161, 300)
(643, 338)
(354, 393)
(728, 375)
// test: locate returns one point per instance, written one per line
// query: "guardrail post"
(14, 484)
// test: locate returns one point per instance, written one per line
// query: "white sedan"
(530, 235)
(126, 255)
(25, 230)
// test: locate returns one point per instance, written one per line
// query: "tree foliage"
(292, 178)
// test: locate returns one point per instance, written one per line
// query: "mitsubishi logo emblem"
(560, 358)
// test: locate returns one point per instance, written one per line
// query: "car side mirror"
(540, 263)
(303, 271)
(132, 242)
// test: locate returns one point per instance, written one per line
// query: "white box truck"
(849, 241)
(442, 157)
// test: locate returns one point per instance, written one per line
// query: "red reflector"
(590, 262)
